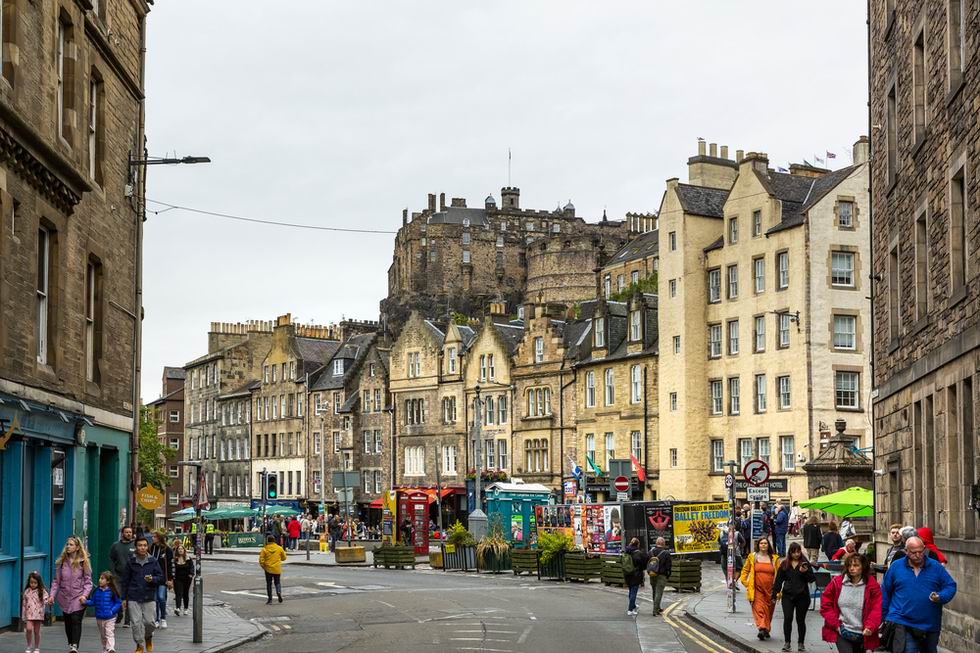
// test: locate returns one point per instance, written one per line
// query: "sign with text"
(777, 485)
(696, 525)
(757, 493)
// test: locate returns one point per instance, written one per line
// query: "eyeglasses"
(913, 552)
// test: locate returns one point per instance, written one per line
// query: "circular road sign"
(756, 472)
(729, 480)
(621, 484)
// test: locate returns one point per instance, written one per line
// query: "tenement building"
(925, 89)
(764, 324)
(168, 415)
(71, 116)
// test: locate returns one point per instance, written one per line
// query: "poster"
(555, 519)
(696, 525)
(532, 529)
(517, 528)
(613, 519)
(389, 507)
(595, 530)
(659, 522)
(578, 525)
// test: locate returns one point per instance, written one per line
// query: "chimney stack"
(724, 151)
(713, 150)
(442, 201)
(701, 146)
(432, 203)
(738, 156)
(861, 150)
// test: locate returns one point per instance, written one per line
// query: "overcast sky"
(343, 113)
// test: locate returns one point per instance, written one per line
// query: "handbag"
(850, 635)
(886, 633)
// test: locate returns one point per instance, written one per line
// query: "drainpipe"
(561, 416)
(872, 280)
(646, 442)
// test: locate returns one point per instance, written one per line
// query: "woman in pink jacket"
(851, 607)
(71, 587)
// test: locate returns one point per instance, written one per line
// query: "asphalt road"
(331, 609)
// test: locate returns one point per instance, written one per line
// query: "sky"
(341, 114)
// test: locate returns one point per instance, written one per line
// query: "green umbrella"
(281, 510)
(231, 512)
(180, 519)
(852, 502)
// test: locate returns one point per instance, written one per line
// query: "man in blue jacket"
(913, 593)
(780, 527)
(138, 591)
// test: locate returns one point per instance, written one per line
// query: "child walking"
(32, 610)
(107, 603)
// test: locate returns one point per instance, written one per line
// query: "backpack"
(653, 566)
(627, 560)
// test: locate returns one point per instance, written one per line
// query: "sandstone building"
(926, 290)
(168, 414)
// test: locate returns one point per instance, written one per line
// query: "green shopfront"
(61, 473)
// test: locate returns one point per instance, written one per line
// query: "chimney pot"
(713, 149)
(860, 152)
(739, 155)
(442, 201)
(701, 146)
(724, 151)
(432, 203)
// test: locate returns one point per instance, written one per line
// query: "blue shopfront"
(61, 473)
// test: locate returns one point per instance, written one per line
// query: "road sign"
(729, 480)
(757, 493)
(621, 484)
(344, 495)
(353, 479)
(149, 497)
(756, 525)
(776, 485)
(756, 472)
(622, 496)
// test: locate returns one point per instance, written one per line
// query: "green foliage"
(459, 318)
(493, 544)
(153, 458)
(459, 536)
(647, 285)
(551, 544)
(577, 311)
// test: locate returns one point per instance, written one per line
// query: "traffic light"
(272, 486)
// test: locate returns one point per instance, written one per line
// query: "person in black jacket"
(138, 593)
(793, 580)
(634, 579)
(812, 539)
(659, 582)
(165, 556)
(183, 577)
(832, 542)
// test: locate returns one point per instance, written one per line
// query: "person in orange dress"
(758, 575)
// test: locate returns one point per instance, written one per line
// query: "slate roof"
(798, 194)
(718, 244)
(579, 341)
(642, 246)
(701, 200)
(352, 402)
(241, 391)
(456, 215)
(316, 350)
(511, 334)
(351, 351)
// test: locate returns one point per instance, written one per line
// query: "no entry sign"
(622, 484)
(756, 472)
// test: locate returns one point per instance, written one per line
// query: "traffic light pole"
(265, 495)
(198, 607)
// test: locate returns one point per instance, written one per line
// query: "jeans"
(797, 605)
(780, 544)
(73, 626)
(161, 601)
(930, 644)
(269, 580)
(658, 582)
(634, 589)
(141, 620)
(847, 646)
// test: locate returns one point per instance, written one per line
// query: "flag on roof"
(819, 160)
(595, 468)
(781, 169)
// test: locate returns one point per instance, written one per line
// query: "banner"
(696, 525)
(659, 522)
(552, 519)
(517, 528)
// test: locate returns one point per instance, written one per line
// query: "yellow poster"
(389, 510)
(149, 497)
(696, 525)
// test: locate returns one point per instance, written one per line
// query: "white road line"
(475, 639)
(523, 637)
(287, 627)
(274, 627)
(386, 603)
(482, 648)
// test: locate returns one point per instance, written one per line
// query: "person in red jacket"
(293, 528)
(849, 547)
(851, 607)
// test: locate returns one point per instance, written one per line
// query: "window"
(275, 369)
(66, 78)
(173, 499)
(784, 322)
(677, 344)
(93, 319)
(673, 457)
(489, 453)
(716, 397)
(842, 269)
(760, 393)
(338, 366)
(415, 461)
(895, 293)
(45, 266)
(490, 411)
(490, 369)
(759, 274)
(845, 332)
(732, 230)
(745, 452)
(367, 478)
(483, 367)
(414, 412)
(316, 443)
(733, 337)
(918, 88)
(590, 389)
(636, 329)
(265, 374)
(717, 455)
(368, 441)
(590, 446)
(635, 444)
(95, 129)
(452, 360)
(760, 333)
(891, 135)
(787, 448)
(466, 256)
(502, 407)
(922, 285)
(606, 286)
(610, 449)
(845, 214)
(500, 240)
(734, 396)
(502, 454)
(175, 416)
(336, 442)
(466, 238)
(636, 384)
(782, 270)
(782, 384)
(620, 283)
(846, 386)
(756, 223)
(599, 324)
(449, 410)
(762, 449)
(539, 350)
(732, 282)
(957, 231)
(714, 285)
(449, 460)
(610, 394)
(635, 277)
(673, 401)
(956, 44)
(378, 444)
(714, 340)
(672, 236)
(672, 284)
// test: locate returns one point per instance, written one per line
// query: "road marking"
(701, 639)
(386, 603)
(274, 627)
(475, 639)
(482, 648)
(523, 637)
(287, 626)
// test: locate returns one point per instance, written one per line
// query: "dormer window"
(466, 223)
(607, 286)
(452, 360)
(539, 350)
(636, 329)
(338, 366)
(599, 325)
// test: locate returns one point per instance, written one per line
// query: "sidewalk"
(223, 631)
(317, 559)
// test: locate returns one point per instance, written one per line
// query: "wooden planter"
(523, 561)
(494, 563)
(581, 567)
(398, 557)
(685, 575)
(612, 572)
(458, 558)
(554, 569)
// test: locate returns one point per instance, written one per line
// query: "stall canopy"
(230, 512)
(281, 510)
(852, 502)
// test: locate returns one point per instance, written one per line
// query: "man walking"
(209, 538)
(897, 543)
(661, 554)
(119, 554)
(780, 528)
(138, 593)
(913, 593)
(271, 558)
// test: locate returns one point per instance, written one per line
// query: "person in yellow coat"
(758, 575)
(271, 558)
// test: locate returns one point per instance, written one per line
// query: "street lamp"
(199, 499)
(348, 492)
(478, 519)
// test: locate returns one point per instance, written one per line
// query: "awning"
(375, 504)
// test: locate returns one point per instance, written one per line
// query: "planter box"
(494, 563)
(581, 567)
(435, 559)
(523, 561)
(554, 569)
(348, 554)
(458, 558)
(685, 575)
(398, 557)
(612, 572)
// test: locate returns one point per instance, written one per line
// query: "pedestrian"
(925, 534)
(406, 530)
(792, 586)
(271, 558)
(107, 605)
(70, 588)
(138, 592)
(846, 529)
(831, 542)
(913, 594)
(634, 561)
(32, 603)
(758, 575)
(659, 572)
(745, 528)
(897, 543)
(738, 558)
(812, 538)
(334, 532)
(780, 528)
(909, 532)
(183, 576)
(294, 528)
(165, 556)
(851, 607)
(795, 517)
(850, 546)
(119, 554)
(209, 531)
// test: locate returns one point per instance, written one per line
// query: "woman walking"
(758, 575)
(812, 538)
(270, 559)
(634, 579)
(793, 583)
(165, 556)
(851, 607)
(71, 587)
(832, 542)
(183, 577)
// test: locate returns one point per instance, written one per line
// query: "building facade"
(69, 254)
(234, 431)
(926, 238)
(168, 414)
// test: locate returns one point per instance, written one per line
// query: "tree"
(154, 457)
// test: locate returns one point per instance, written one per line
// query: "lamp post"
(347, 497)
(478, 519)
(200, 498)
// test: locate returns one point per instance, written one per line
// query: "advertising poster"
(613, 519)
(595, 529)
(517, 528)
(696, 525)
(389, 508)
(555, 519)
(532, 529)
(659, 522)
(578, 523)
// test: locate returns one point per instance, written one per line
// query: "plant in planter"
(460, 550)
(551, 545)
(492, 551)
(459, 536)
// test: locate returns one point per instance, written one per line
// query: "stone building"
(234, 446)
(71, 116)
(633, 266)
(168, 414)
(459, 258)
(764, 325)
(926, 292)
(561, 270)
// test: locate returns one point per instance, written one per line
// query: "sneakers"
(149, 645)
(801, 646)
(631, 613)
(786, 647)
(163, 623)
(177, 612)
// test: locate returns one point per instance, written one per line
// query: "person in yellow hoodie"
(758, 575)
(270, 559)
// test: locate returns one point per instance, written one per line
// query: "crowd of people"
(289, 532)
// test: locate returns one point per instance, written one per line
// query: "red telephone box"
(415, 505)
